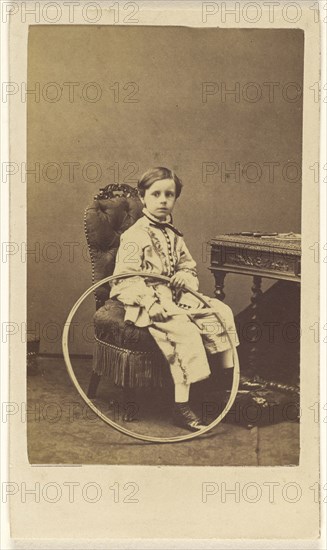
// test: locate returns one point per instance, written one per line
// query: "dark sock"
(226, 379)
(223, 379)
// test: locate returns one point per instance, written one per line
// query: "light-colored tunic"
(185, 337)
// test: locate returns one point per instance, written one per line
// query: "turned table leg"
(219, 284)
(255, 301)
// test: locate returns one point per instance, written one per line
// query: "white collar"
(168, 218)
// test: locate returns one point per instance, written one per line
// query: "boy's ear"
(140, 197)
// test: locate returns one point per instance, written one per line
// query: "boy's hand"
(158, 313)
(178, 280)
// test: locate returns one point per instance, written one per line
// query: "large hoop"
(110, 422)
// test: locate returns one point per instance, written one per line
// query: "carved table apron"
(258, 257)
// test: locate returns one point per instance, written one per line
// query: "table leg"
(219, 285)
(255, 301)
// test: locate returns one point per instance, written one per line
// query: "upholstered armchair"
(126, 355)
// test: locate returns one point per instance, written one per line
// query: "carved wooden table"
(258, 257)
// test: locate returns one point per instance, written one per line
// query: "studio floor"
(61, 429)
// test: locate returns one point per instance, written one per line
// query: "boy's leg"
(181, 343)
(182, 393)
(222, 369)
(217, 343)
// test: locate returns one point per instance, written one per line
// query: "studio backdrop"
(221, 107)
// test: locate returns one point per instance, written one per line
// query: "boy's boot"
(184, 417)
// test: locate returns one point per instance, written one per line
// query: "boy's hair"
(155, 174)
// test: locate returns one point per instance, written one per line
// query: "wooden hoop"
(110, 422)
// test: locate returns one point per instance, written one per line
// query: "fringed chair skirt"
(127, 368)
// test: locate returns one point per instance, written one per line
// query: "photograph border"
(163, 485)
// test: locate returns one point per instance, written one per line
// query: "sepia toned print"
(236, 146)
(171, 256)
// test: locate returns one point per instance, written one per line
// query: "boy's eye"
(167, 194)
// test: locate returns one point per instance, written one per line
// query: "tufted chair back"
(115, 208)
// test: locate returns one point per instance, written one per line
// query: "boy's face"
(160, 198)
